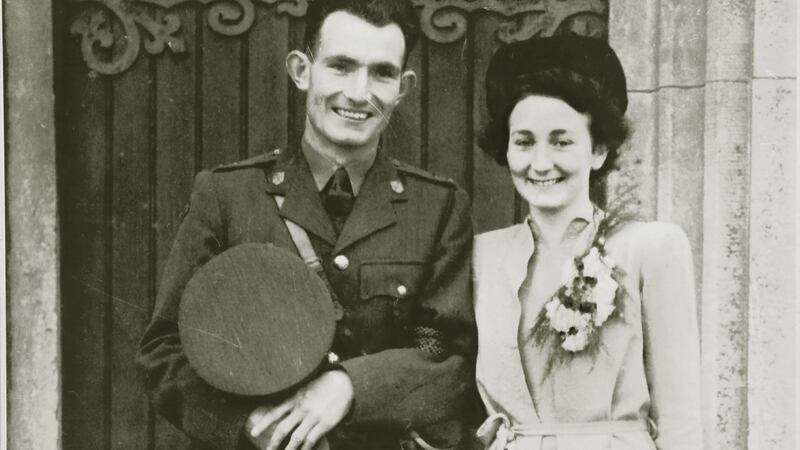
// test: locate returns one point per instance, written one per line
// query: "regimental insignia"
(397, 186)
(278, 178)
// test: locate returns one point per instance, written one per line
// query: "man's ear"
(408, 81)
(298, 66)
(599, 154)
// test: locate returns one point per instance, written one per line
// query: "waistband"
(498, 431)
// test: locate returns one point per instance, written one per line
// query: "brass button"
(341, 262)
(397, 186)
(402, 291)
(278, 178)
(347, 332)
(333, 358)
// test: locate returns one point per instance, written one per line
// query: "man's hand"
(307, 415)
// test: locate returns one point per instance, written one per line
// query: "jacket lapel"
(373, 209)
(302, 204)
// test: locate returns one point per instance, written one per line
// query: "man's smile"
(352, 114)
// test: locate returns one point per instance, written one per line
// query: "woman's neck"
(550, 227)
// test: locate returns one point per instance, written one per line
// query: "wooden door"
(149, 92)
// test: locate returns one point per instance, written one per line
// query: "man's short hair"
(377, 12)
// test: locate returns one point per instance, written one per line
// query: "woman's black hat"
(589, 57)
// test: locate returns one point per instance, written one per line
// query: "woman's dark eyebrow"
(558, 133)
(525, 132)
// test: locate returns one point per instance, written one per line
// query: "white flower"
(593, 265)
(568, 272)
(563, 319)
(602, 312)
(576, 342)
(603, 294)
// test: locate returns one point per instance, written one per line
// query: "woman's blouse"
(647, 367)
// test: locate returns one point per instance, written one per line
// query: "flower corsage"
(591, 294)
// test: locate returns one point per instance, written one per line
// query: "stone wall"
(33, 385)
(713, 104)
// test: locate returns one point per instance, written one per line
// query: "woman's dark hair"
(607, 126)
(376, 12)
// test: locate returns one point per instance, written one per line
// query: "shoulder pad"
(264, 158)
(423, 174)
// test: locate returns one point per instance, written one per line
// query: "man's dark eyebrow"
(340, 59)
(525, 132)
(350, 61)
(556, 133)
(386, 66)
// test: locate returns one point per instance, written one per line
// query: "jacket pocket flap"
(398, 279)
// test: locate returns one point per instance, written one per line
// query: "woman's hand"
(307, 415)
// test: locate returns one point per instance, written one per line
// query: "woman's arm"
(671, 337)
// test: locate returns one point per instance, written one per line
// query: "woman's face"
(550, 153)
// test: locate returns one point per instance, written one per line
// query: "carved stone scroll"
(446, 21)
(108, 51)
(112, 31)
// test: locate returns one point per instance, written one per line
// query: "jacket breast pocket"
(399, 280)
(388, 292)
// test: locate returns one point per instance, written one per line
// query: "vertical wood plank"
(403, 137)
(493, 197)
(221, 98)
(268, 97)
(297, 99)
(131, 267)
(448, 109)
(176, 143)
(84, 197)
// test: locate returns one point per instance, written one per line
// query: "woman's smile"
(545, 182)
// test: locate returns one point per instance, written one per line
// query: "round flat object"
(256, 320)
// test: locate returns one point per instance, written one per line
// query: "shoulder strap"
(306, 250)
(302, 242)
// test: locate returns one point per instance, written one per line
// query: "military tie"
(338, 198)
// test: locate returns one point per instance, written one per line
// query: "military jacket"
(402, 261)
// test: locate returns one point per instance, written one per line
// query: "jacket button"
(333, 358)
(341, 262)
(402, 291)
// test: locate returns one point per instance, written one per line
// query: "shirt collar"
(582, 216)
(322, 167)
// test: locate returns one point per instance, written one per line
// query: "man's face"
(354, 81)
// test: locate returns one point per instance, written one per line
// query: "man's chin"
(351, 141)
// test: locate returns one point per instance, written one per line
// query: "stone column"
(713, 107)
(772, 319)
(32, 252)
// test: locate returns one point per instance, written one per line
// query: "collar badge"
(278, 178)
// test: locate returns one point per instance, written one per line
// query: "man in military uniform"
(394, 243)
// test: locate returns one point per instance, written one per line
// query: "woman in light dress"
(588, 335)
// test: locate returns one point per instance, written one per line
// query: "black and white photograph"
(401, 225)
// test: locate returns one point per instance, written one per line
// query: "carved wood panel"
(154, 24)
